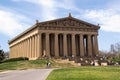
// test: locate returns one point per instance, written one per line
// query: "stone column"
(81, 46)
(47, 45)
(56, 46)
(65, 44)
(35, 46)
(15, 50)
(73, 45)
(10, 51)
(89, 45)
(39, 50)
(18, 49)
(26, 47)
(30, 47)
(96, 45)
(21, 48)
(28, 52)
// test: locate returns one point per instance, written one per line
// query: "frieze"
(66, 22)
(67, 29)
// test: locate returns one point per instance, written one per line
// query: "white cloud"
(11, 23)
(109, 20)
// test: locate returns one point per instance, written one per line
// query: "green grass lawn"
(86, 73)
(14, 65)
(30, 64)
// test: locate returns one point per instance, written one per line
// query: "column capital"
(81, 34)
(73, 34)
(64, 33)
(96, 35)
(56, 33)
(89, 34)
(47, 33)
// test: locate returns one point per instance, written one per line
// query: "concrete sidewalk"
(30, 74)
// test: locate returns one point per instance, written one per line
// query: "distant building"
(56, 38)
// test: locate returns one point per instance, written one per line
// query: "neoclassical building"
(56, 38)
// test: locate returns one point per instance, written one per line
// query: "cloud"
(109, 20)
(11, 23)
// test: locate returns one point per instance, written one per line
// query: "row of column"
(89, 47)
(32, 47)
(26, 48)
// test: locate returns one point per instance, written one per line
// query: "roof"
(50, 23)
(67, 18)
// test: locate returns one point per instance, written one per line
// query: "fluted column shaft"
(73, 45)
(81, 46)
(25, 48)
(47, 45)
(65, 44)
(35, 46)
(89, 45)
(56, 46)
(39, 46)
(30, 47)
(28, 52)
(96, 44)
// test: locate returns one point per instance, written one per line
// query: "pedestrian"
(48, 64)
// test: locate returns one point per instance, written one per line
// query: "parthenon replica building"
(56, 38)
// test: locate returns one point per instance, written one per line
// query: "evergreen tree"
(2, 55)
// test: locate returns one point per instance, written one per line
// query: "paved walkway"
(31, 74)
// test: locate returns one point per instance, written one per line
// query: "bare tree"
(112, 49)
(117, 47)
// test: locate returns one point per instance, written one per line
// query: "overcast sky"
(19, 15)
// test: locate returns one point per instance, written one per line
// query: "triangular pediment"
(68, 22)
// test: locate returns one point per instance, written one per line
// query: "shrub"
(16, 59)
(2, 55)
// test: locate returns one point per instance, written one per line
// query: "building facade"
(56, 38)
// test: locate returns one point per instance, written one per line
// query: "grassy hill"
(86, 73)
(30, 64)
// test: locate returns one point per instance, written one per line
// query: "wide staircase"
(83, 61)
